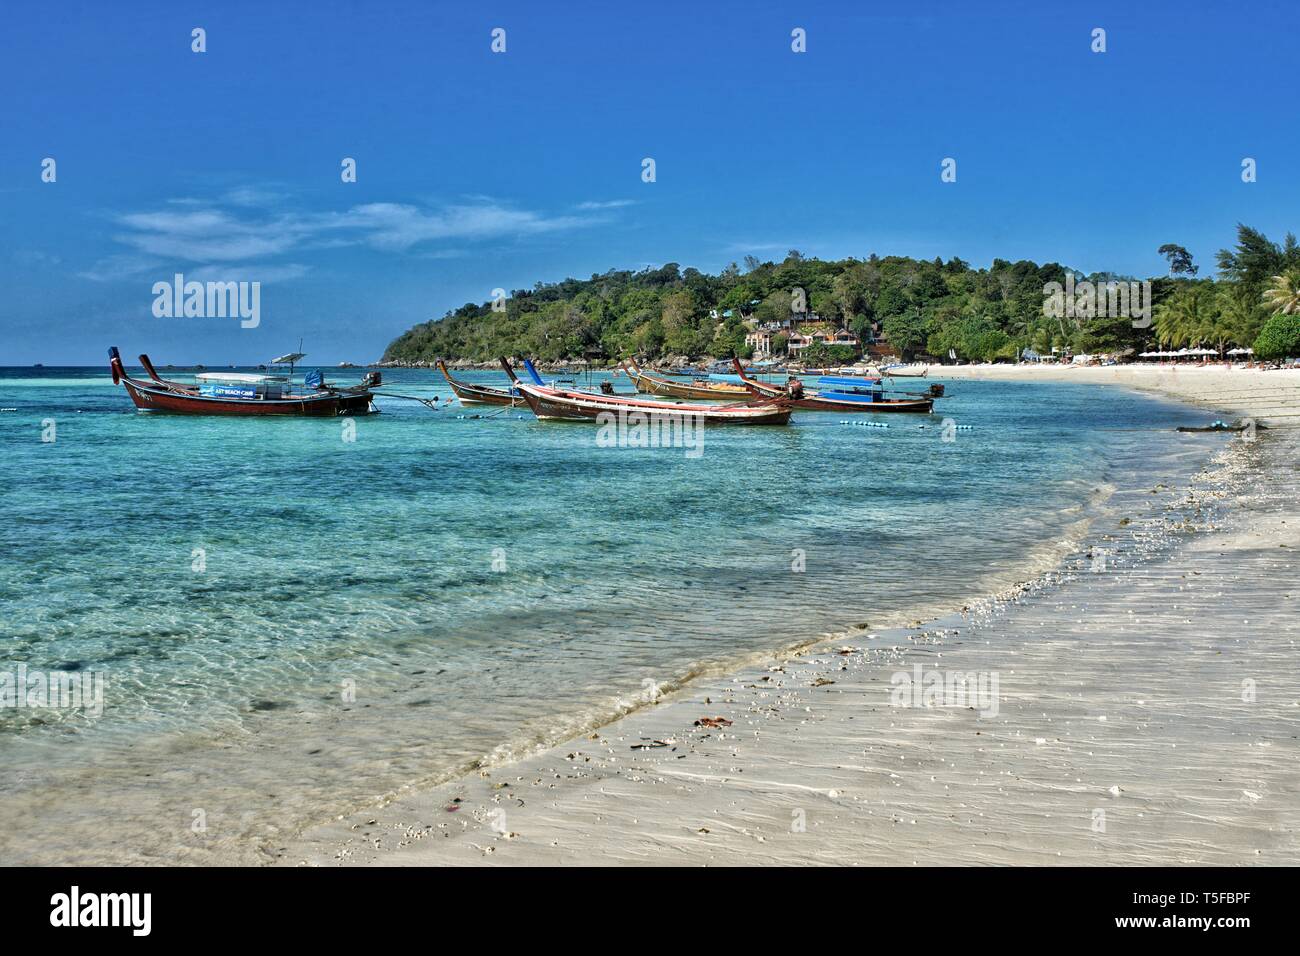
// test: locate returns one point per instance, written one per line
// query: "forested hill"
(920, 307)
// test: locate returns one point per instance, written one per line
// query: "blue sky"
(478, 170)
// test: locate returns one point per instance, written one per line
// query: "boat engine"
(371, 379)
(936, 390)
(794, 388)
(607, 388)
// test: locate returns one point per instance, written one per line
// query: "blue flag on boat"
(532, 372)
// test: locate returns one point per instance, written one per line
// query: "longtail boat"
(471, 394)
(549, 402)
(904, 371)
(243, 393)
(836, 394)
(657, 385)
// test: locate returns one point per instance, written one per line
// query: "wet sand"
(1147, 711)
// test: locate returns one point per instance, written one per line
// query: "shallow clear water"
(291, 624)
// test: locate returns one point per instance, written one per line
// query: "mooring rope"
(427, 402)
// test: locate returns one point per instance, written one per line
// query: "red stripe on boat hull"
(163, 400)
(919, 406)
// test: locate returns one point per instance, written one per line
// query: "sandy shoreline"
(1271, 396)
(1146, 710)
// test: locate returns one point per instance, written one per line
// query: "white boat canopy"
(247, 378)
(289, 359)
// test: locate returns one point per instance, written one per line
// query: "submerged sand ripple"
(1147, 712)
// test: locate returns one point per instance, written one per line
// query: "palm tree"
(1168, 325)
(1284, 297)
(1186, 317)
(1239, 314)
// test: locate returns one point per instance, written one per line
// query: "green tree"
(852, 290)
(1180, 260)
(922, 304)
(1279, 338)
(821, 355)
(1239, 317)
(682, 332)
(891, 301)
(1256, 260)
(1186, 317)
(906, 333)
(1284, 295)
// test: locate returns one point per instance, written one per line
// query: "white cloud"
(208, 235)
(188, 232)
(248, 272)
(607, 204)
(396, 226)
(253, 196)
(756, 247)
(117, 267)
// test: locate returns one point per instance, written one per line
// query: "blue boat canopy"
(835, 381)
(864, 397)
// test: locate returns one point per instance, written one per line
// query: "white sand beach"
(1141, 706)
(1267, 395)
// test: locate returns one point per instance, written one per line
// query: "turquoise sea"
(291, 625)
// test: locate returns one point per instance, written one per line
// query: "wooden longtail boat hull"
(764, 389)
(575, 408)
(566, 405)
(470, 394)
(161, 400)
(655, 385)
(822, 402)
(159, 395)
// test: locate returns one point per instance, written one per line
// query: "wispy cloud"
(254, 196)
(209, 235)
(248, 271)
(117, 267)
(606, 204)
(398, 227)
(252, 224)
(757, 247)
(36, 257)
